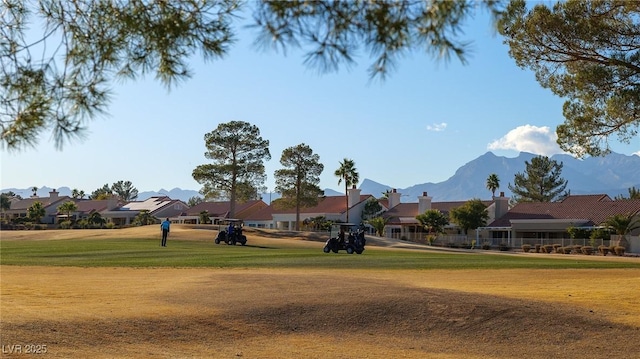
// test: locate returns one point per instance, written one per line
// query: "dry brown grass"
(269, 313)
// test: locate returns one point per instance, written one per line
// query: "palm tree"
(623, 224)
(378, 224)
(36, 212)
(347, 173)
(35, 191)
(493, 183)
(68, 207)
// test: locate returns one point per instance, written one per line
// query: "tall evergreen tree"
(103, 192)
(238, 153)
(299, 179)
(125, 191)
(541, 181)
(102, 41)
(348, 174)
(634, 193)
(586, 52)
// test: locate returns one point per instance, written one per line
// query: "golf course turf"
(117, 293)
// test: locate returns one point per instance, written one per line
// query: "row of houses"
(544, 221)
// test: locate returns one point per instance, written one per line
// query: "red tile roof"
(595, 209)
(95, 205)
(221, 209)
(328, 204)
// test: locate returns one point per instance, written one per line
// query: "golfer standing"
(165, 231)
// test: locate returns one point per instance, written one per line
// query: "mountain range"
(613, 174)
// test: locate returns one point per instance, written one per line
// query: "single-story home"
(540, 222)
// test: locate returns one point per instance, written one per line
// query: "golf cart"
(230, 232)
(348, 237)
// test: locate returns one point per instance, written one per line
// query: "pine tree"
(541, 181)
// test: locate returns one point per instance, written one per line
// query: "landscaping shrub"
(486, 245)
(604, 250)
(64, 225)
(555, 247)
(566, 250)
(538, 246)
(504, 247)
(526, 248)
(547, 248)
(588, 250)
(619, 250)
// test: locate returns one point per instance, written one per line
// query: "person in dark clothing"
(165, 231)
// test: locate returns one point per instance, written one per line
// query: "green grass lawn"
(136, 252)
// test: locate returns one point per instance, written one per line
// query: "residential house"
(20, 208)
(333, 208)
(540, 222)
(402, 222)
(158, 206)
(88, 206)
(218, 211)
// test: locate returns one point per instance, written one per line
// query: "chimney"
(53, 194)
(501, 205)
(424, 203)
(354, 196)
(394, 198)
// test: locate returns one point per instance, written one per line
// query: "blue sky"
(423, 122)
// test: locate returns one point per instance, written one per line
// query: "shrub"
(603, 250)
(110, 225)
(486, 245)
(538, 246)
(547, 248)
(526, 248)
(504, 247)
(566, 250)
(588, 250)
(619, 250)
(65, 224)
(555, 247)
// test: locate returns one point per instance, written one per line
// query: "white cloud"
(528, 138)
(437, 127)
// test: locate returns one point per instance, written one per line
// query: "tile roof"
(327, 204)
(24, 204)
(95, 205)
(221, 209)
(595, 209)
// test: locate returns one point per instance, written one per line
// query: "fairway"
(118, 294)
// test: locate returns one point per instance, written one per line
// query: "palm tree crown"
(347, 172)
(493, 183)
